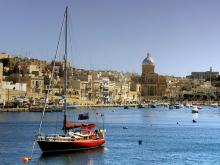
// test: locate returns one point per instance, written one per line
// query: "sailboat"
(76, 136)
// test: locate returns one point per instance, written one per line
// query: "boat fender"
(139, 142)
(26, 159)
(194, 121)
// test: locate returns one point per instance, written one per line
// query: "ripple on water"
(163, 141)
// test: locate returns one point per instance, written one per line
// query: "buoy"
(139, 142)
(26, 159)
(177, 123)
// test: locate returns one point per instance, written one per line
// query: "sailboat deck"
(61, 138)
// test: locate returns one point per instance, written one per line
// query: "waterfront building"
(116, 93)
(14, 86)
(10, 94)
(185, 89)
(204, 75)
(34, 84)
(4, 55)
(35, 69)
(84, 90)
(105, 89)
(153, 86)
(125, 89)
(1, 72)
(96, 91)
(134, 93)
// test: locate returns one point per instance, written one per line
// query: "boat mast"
(65, 74)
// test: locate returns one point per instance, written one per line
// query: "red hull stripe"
(53, 146)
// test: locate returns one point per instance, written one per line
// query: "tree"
(16, 68)
(46, 80)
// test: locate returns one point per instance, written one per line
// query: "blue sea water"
(163, 140)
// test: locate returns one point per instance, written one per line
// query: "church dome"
(148, 60)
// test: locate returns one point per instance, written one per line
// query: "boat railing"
(47, 136)
(54, 137)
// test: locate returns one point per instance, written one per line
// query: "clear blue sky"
(182, 36)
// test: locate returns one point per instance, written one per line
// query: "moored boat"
(76, 136)
(126, 107)
(75, 139)
(178, 106)
(71, 106)
(188, 105)
(171, 106)
(195, 109)
(152, 105)
(199, 108)
(214, 105)
(140, 106)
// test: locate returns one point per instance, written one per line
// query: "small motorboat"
(188, 105)
(178, 106)
(194, 121)
(214, 105)
(195, 109)
(171, 107)
(140, 106)
(71, 106)
(153, 106)
(126, 107)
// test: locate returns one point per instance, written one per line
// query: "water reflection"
(85, 157)
(195, 115)
(164, 142)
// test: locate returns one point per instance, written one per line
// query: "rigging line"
(77, 50)
(56, 123)
(65, 73)
(74, 117)
(47, 93)
(69, 31)
(96, 118)
(71, 51)
(52, 73)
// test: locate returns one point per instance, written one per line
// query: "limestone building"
(204, 75)
(153, 86)
(1, 72)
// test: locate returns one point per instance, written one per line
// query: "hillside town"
(24, 82)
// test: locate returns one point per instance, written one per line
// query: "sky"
(181, 36)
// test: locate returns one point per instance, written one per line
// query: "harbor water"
(167, 136)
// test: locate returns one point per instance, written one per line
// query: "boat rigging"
(76, 136)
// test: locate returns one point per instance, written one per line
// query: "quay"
(60, 109)
(14, 110)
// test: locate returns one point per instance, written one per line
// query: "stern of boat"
(102, 133)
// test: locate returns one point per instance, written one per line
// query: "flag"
(84, 116)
